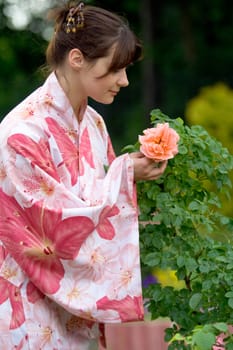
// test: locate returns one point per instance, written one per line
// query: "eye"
(117, 70)
(121, 69)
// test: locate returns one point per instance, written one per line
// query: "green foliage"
(180, 217)
(213, 109)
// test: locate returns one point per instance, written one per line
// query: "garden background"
(188, 45)
(186, 72)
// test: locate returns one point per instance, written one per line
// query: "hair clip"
(75, 18)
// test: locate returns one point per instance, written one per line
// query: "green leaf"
(221, 326)
(207, 284)
(194, 205)
(180, 261)
(183, 150)
(204, 341)
(130, 148)
(157, 293)
(229, 346)
(191, 264)
(177, 337)
(152, 259)
(230, 302)
(195, 300)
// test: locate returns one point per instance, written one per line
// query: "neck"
(77, 101)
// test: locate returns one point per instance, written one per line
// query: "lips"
(114, 92)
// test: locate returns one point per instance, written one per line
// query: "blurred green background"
(188, 45)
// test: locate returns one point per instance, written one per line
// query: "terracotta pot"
(148, 335)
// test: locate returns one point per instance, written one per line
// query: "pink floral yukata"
(69, 250)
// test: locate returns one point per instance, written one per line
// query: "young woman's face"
(100, 86)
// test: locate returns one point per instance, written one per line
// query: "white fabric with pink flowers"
(69, 245)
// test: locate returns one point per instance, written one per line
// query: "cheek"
(100, 87)
(100, 93)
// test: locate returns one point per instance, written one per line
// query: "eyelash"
(118, 70)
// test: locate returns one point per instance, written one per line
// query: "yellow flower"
(168, 278)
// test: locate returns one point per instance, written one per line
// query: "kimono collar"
(55, 96)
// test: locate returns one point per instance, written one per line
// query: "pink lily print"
(67, 148)
(104, 228)
(111, 153)
(11, 292)
(98, 257)
(33, 294)
(5, 183)
(38, 239)
(3, 254)
(124, 271)
(36, 185)
(86, 149)
(37, 153)
(129, 308)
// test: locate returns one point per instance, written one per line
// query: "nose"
(123, 79)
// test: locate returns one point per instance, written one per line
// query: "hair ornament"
(75, 18)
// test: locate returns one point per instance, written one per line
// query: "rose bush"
(159, 143)
(184, 230)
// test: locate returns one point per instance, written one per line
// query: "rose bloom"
(159, 143)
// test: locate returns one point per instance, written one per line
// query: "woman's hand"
(145, 168)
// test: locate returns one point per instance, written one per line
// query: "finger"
(163, 165)
(158, 170)
(136, 155)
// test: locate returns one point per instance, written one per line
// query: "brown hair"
(100, 31)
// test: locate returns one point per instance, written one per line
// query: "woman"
(69, 253)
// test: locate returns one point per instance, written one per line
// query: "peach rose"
(159, 143)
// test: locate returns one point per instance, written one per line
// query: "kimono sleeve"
(84, 257)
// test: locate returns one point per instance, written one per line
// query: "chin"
(106, 101)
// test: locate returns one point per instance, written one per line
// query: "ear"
(76, 59)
